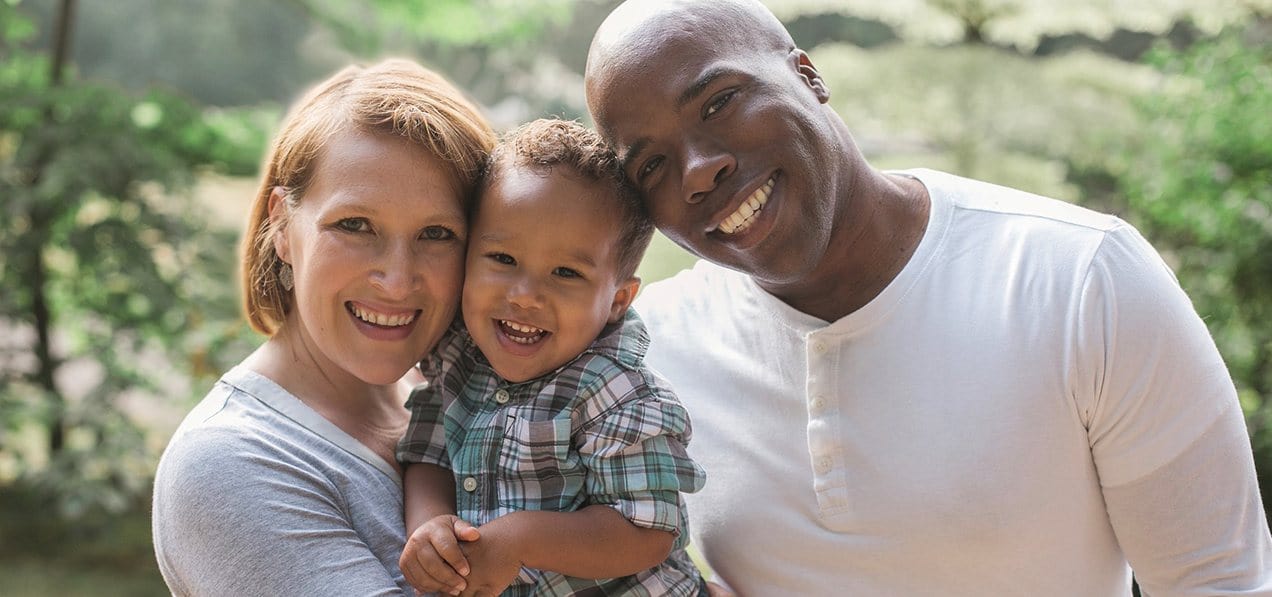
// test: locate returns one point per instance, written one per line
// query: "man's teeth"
(745, 215)
(381, 319)
(532, 334)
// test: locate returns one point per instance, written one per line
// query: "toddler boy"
(568, 455)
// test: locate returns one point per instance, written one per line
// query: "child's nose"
(525, 292)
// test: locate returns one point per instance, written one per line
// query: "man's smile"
(748, 210)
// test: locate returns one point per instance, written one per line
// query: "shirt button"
(470, 484)
(819, 347)
(501, 396)
(823, 465)
(816, 404)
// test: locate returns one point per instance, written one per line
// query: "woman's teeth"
(521, 333)
(745, 215)
(380, 319)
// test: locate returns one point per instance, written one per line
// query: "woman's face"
(377, 249)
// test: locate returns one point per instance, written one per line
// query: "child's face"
(542, 271)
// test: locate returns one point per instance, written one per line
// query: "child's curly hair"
(548, 142)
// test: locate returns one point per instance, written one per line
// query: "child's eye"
(437, 233)
(502, 258)
(565, 272)
(353, 225)
(717, 103)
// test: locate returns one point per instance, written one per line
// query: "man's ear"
(811, 77)
(623, 298)
(277, 220)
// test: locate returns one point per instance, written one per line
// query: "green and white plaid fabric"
(602, 429)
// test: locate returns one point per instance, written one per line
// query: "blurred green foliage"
(1197, 179)
(112, 277)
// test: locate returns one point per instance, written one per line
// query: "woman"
(282, 480)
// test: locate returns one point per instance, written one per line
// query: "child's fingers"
(415, 574)
(446, 545)
(426, 569)
(466, 531)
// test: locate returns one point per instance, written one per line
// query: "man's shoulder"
(978, 197)
(703, 285)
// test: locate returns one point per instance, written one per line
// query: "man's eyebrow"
(631, 152)
(701, 84)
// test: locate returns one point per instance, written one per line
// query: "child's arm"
(595, 542)
(432, 559)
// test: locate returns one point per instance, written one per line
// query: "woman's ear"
(278, 223)
(623, 298)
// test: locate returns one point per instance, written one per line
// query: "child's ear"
(278, 203)
(623, 298)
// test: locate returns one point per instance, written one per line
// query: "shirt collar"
(626, 341)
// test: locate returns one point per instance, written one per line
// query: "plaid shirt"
(602, 429)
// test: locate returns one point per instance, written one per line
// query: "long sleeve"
(1167, 432)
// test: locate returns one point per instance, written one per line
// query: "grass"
(100, 554)
(39, 577)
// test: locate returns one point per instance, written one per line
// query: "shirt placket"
(477, 491)
(825, 451)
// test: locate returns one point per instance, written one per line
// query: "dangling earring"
(285, 277)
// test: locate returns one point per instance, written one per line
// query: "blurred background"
(131, 132)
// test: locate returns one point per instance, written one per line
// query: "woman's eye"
(437, 233)
(718, 103)
(502, 258)
(565, 272)
(353, 225)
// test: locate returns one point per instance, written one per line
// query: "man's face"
(731, 147)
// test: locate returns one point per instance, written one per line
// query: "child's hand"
(432, 560)
(496, 561)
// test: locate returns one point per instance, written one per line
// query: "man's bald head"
(633, 36)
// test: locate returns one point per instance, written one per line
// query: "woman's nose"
(396, 272)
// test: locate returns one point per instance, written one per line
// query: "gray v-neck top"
(258, 494)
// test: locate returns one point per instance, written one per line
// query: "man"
(910, 383)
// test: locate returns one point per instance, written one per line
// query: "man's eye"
(353, 225)
(649, 167)
(502, 258)
(718, 103)
(565, 272)
(437, 233)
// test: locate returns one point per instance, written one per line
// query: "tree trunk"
(40, 223)
(62, 40)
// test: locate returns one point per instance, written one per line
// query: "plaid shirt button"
(470, 484)
(501, 396)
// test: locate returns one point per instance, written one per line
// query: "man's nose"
(706, 164)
